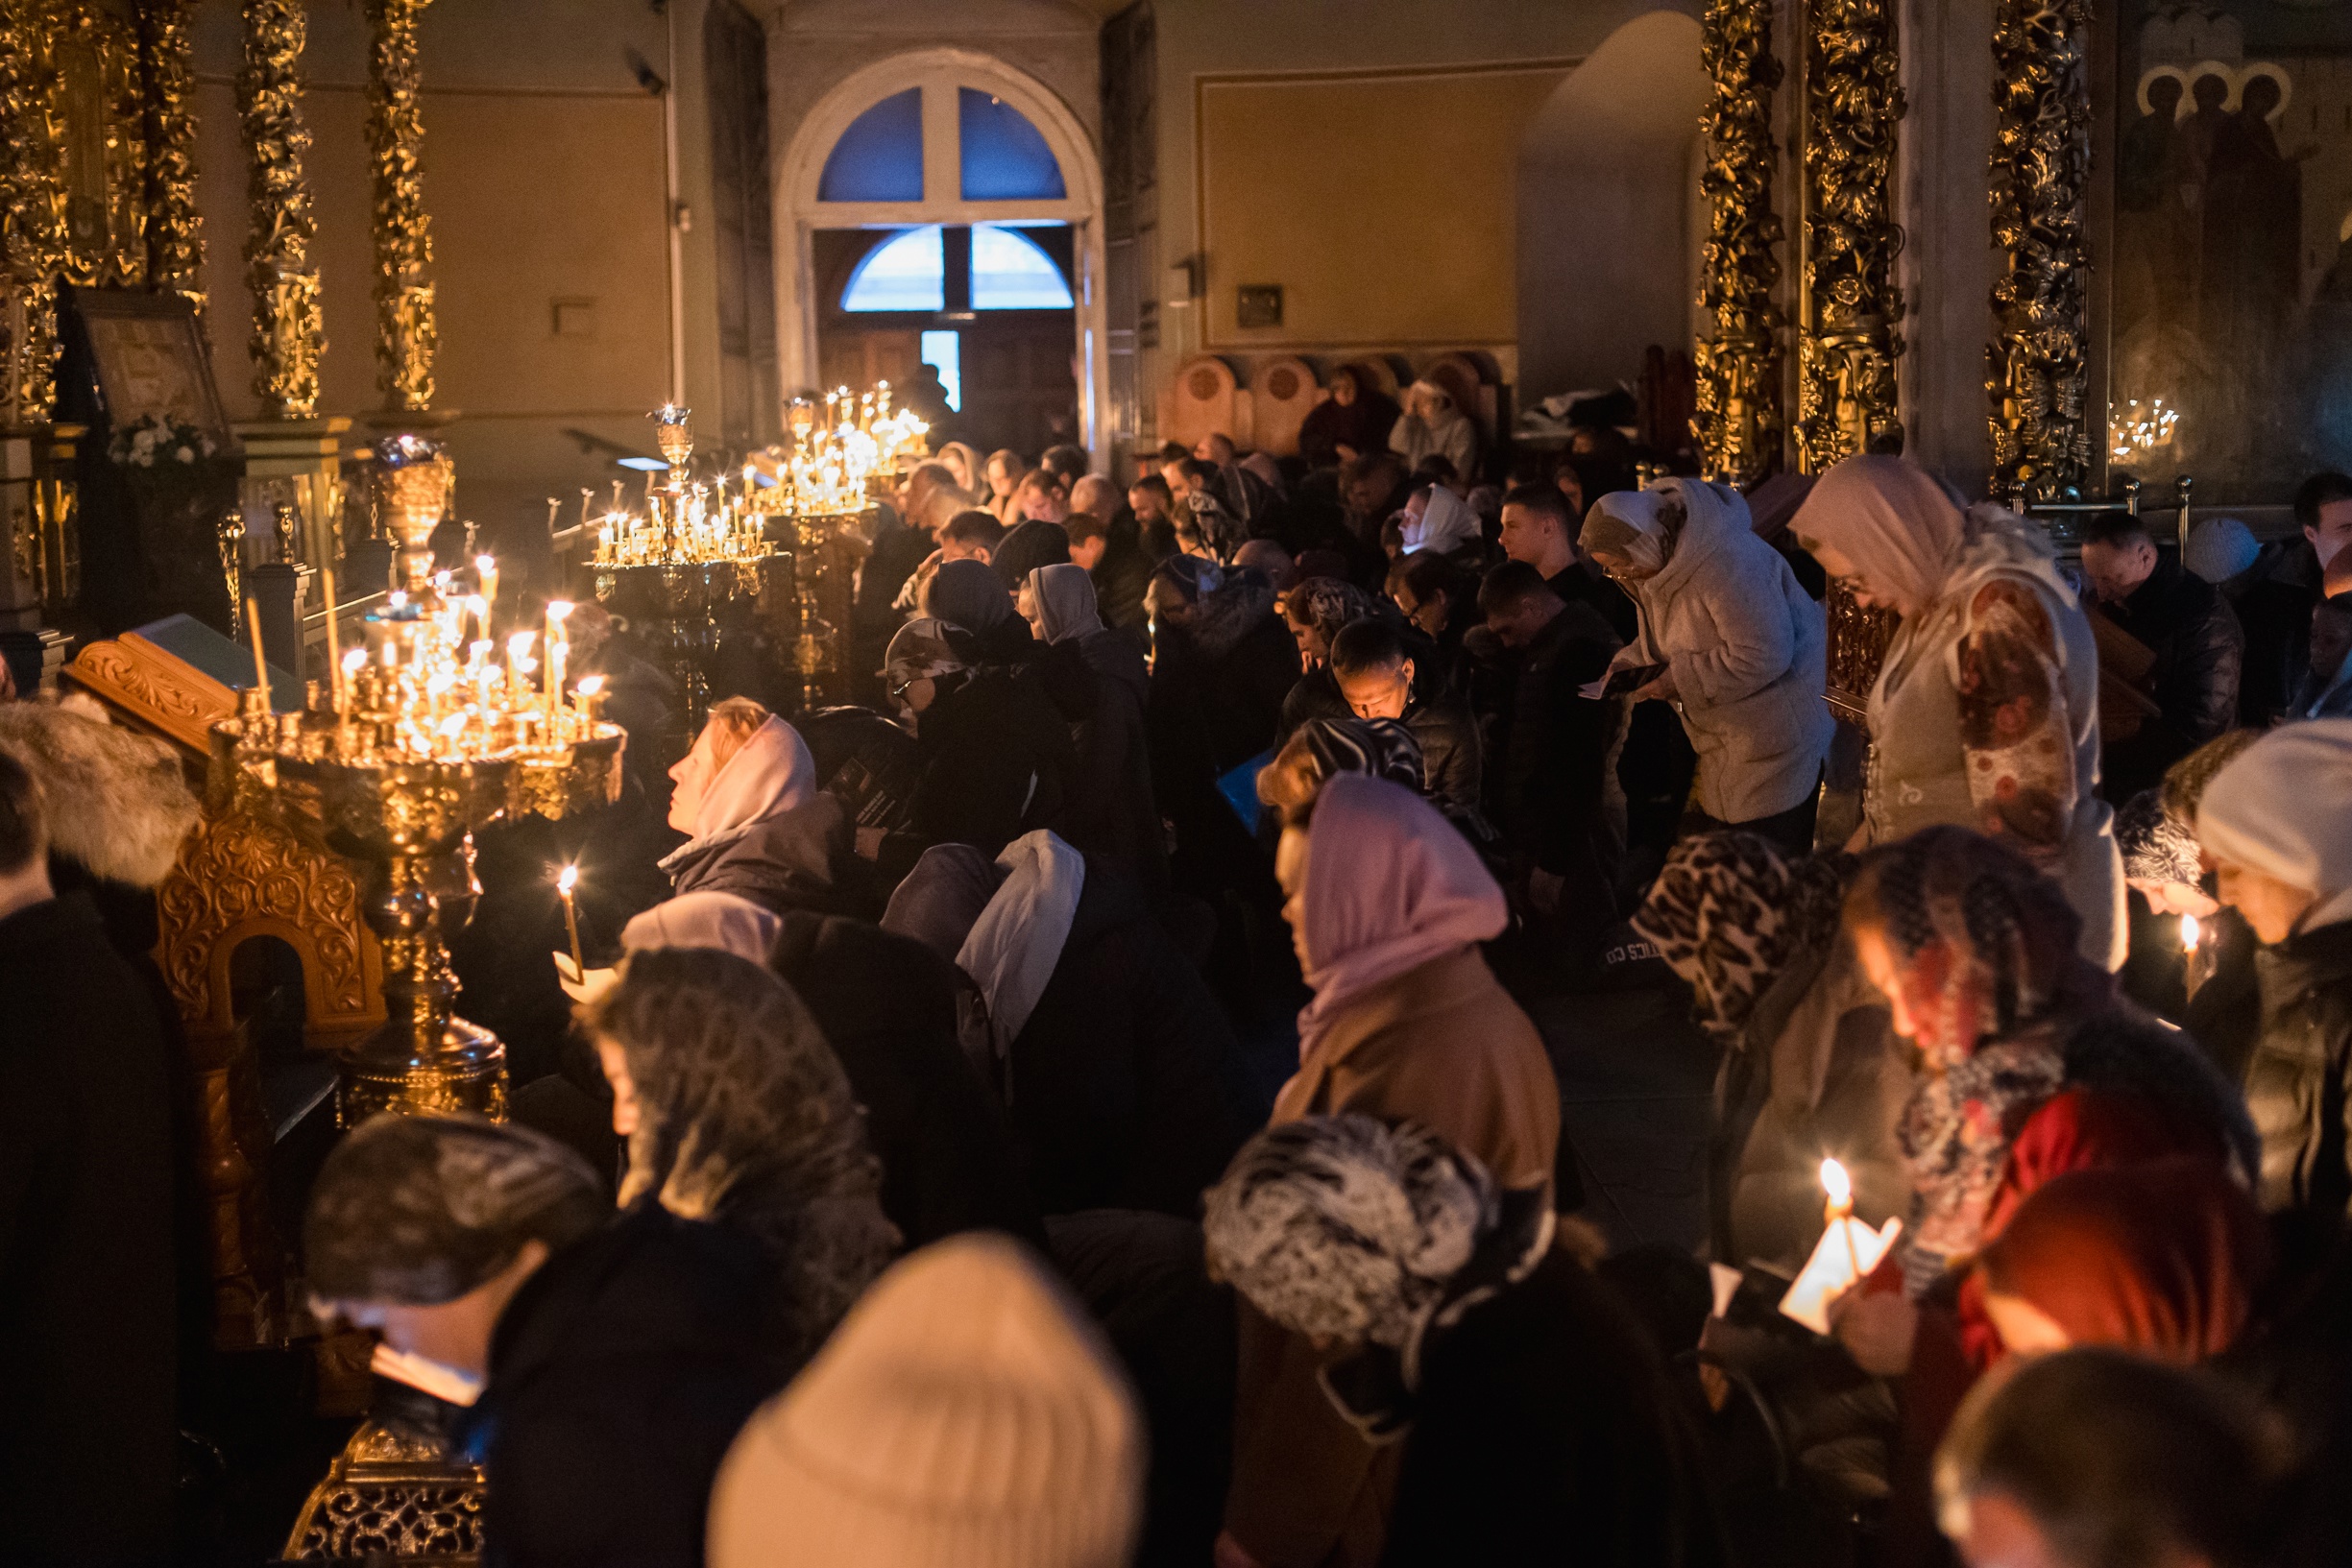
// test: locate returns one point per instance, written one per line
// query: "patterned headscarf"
(745, 1116)
(1983, 948)
(1380, 747)
(419, 1210)
(921, 648)
(1328, 604)
(1640, 525)
(1729, 912)
(2157, 848)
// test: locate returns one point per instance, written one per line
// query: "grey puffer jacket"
(1749, 650)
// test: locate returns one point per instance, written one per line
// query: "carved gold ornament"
(405, 336)
(289, 329)
(2041, 183)
(174, 228)
(1845, 393)
(1739, 424)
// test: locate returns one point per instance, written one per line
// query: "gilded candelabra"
(418, 737)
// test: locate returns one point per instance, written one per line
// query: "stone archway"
(799, 212)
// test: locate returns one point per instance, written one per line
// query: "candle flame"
(485, 563)
(2192, 932)
(355, 660)
(558, 610)
(1836, 1183)
(519, 645)
(567, 879)
(590, 684)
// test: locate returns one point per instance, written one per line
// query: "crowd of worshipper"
(1082, 1103)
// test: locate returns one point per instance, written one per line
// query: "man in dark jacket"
(1379, 681)
(2188, 628)
(88, 1458)
(618, 1358)
(1550, 793)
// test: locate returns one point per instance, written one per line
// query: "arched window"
(1003, 156)
(908, 272)
(880, 157)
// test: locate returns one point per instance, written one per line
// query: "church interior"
(670, 671)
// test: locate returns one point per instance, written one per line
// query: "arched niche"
(1609, 248)
(1206, 398)
(1282, 392)
(940, 78)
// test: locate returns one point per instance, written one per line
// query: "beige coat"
(1441, 1045)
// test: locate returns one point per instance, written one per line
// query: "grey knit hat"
(1345, 1229)
(419, 1210)
(2219, 548)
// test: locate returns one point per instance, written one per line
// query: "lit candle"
(1839, 1210)
(261, 667)
(334, 651)
(588, 697)
(2190, 933)
(564, 882)
(559, 643)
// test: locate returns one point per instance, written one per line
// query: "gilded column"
(2041, 185)
(404, 335)
(34, 246)
(175, 229)
(1738, 422)
(289, 330)
(1845, 393)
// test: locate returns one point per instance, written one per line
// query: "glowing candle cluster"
(838, 455)
(683, 522)
(427, 683)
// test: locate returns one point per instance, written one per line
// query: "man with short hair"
(2327, 689)
(1094, 495)
(970, 536)
(1376, 679)
(1539, 529)
(1041, 498)
(1065, 463)
(2188, 628)
(89, 1335)
(1551, 793)
(618, 1358)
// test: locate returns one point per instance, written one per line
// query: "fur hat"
(118, 802)
(1345, 1229)
(964, 1415)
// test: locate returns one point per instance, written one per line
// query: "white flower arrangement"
(153, 440)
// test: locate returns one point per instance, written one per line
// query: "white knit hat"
(964, 1415)
(2284, 808)
(2219, 548)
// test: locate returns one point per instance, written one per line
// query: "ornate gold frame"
(1847, 345)
(2039, 362)
(1739, 421)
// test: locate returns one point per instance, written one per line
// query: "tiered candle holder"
(418, 739)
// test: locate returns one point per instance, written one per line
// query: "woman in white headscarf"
(1985, 713)
(1097, 679)
(1432, 426)
(747, 794)
(1444, 525)
(1745, 648)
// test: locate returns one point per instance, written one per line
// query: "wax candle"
(564, 882)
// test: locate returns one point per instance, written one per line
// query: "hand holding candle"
(565, 880)
(1848, 1251)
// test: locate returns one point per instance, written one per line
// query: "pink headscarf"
(1390, 886)
(1896, 522)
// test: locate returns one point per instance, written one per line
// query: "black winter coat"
(618, 1375)
(887, 1007)
(2272, 600)
(1102, 688)
(1549, 798)
(2201, 654)
(1546, 1431)
(88, 1444)
(1126, 1086)
(2295, 1086)
(997, 761)
(1453, 759)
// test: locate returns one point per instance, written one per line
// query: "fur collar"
(118, 802)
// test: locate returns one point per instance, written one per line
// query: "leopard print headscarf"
(1729, 912)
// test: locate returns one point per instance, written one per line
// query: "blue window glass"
(1005, 160)
(943, 353)
(905, 273)
(880, 157)
(1012, 272)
